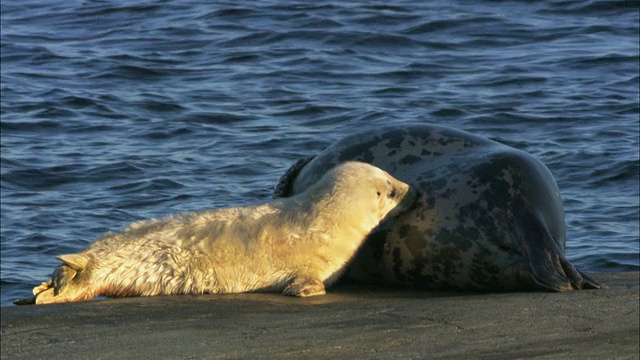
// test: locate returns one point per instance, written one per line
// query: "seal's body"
(489, 216)
(298, 244)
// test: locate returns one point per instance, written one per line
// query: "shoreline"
(350, 321)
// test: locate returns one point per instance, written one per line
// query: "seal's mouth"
(407, 201)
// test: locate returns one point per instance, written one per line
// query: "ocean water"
(115, 111)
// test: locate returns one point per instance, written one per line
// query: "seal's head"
(361, 191)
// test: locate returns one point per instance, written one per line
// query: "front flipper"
(304, 287)
(550, 269)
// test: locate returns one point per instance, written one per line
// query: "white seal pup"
(297, 245)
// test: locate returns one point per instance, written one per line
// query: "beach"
(349, 322)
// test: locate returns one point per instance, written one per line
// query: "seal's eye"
(378, 193)
(393, 193)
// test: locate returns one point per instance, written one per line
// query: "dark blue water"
(118, 111)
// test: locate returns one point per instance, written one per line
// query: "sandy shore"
(349, 322)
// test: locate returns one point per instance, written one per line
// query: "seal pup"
(297, 245)
(489, 217)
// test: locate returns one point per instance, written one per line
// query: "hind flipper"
(38, 294)
(550, 269)
(284, 187)
(578, 279)
(62, 277)
(63, 287)
(44, 297)
(77, 262)
(26, 301)
(590, 283)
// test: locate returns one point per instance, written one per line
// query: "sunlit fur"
(296, 245)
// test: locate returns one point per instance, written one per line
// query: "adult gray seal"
(488, 216)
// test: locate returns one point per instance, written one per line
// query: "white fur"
(297, 244)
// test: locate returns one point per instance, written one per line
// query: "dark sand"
(349, 322)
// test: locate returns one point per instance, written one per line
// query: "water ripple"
(117, 111)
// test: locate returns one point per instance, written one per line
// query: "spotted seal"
(297, 245)
(489, 217)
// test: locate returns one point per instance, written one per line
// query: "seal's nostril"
(393, 193)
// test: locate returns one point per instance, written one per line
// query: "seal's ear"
(75, 261)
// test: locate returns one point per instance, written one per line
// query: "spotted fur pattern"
(489, 216)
